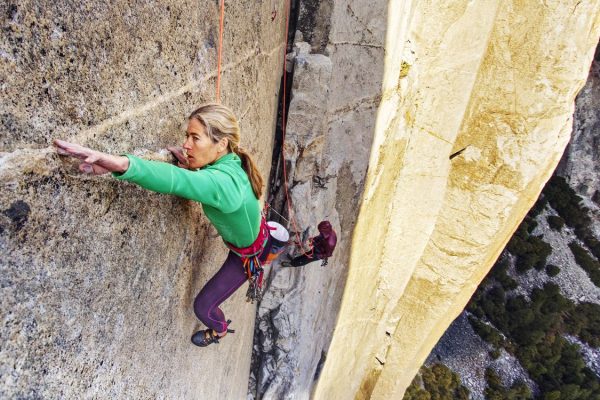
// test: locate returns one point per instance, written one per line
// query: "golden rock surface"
(476, 111)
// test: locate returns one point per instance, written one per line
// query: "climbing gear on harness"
(279, 239)
(251, 263)
(208, 336)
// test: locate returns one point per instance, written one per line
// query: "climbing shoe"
(205, 337)
(208, 336)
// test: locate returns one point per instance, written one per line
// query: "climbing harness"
(251, 262)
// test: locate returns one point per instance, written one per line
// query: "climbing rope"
(280, 216)
(283, 126)
(291, 215)
(221, 20)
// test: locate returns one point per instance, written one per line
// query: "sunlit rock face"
(98, 277)
(476, 111)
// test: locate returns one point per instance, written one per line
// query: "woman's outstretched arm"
(213, 188)
(94, 162)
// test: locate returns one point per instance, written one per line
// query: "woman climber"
(214, 171)
(321, 247)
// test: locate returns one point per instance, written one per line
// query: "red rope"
(222, 18)
(283, 126)
(283, 116)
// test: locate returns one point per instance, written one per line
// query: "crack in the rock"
(377, 46)
(355, 104)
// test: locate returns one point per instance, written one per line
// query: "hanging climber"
(321, 247)
(213, 170)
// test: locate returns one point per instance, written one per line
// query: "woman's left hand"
(179, 154)
(94, 162)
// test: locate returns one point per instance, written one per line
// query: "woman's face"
(200, 149)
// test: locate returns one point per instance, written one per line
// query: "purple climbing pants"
(218, 289)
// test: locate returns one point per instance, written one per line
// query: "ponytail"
(252, 171)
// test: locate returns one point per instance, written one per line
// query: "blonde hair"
(220, 122)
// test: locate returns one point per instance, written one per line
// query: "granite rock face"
(98, 277)
(476, 111)
(335, 93)
(460, 111)
(581, 161)
(467, 132)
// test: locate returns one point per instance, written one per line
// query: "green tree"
(437, 382)
(552, 270)
(587, 262)
(555, 222)
(495, 390)
(584, 322)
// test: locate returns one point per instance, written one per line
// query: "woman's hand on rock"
(179, 154)
(94, 162)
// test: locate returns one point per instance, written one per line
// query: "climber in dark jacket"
(322, 247)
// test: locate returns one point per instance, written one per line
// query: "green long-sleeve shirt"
(223, 189)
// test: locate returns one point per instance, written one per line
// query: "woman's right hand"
(94, 162)
(178, 153)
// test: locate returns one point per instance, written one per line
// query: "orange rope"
(283, 116)
(283, 126)
(222, 18)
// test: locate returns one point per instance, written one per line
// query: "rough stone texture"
(460, 348)
(476, 112)
(331, 121)
(291, 325)
(98, 277)
(581, 161)
(314, 21)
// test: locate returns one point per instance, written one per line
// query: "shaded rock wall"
(98, 277)
(581, 161)
(336, 91)
(476, 112)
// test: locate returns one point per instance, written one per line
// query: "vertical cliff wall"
(337, 71)
(98, 277)
(476, 111)
(460, 348)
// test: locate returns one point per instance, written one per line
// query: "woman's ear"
(223, 144)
